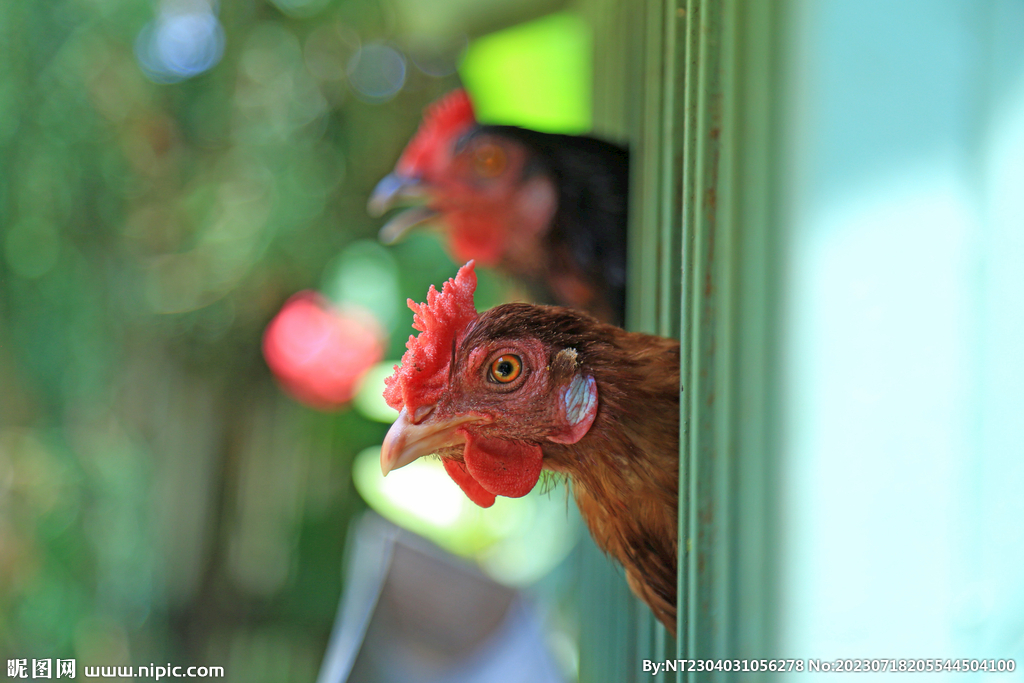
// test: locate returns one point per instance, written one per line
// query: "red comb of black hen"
(444, 120)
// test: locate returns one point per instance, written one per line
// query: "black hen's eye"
(489, 160)
(505, 369)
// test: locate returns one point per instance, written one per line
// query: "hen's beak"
(413, 436)
(391, 191)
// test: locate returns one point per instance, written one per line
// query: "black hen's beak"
(393, 190)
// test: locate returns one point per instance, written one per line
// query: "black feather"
(589, 227)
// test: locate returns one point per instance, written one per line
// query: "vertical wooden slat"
(667, 145)
(705, 540)
(689, 66)
(670, 146)
(643, 295)
(646, 279)
(729, 310)
(670, 171)
(753, 116)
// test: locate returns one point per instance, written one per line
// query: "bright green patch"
(536, 75)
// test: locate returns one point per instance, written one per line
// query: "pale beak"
(408, 440)
(391, 191)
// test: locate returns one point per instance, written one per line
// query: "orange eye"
(505, 369)
(489, 160)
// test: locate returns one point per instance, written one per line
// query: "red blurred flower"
(319, 353)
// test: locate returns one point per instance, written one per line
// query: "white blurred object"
(185, 40)
(903, 503)
(376, 72)
(413, 613)
(516, 541)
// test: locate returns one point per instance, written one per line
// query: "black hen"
(549, 209)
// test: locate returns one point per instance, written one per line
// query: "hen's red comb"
(424, 371)
(445, 119)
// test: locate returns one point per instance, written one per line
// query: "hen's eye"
(506, 369)
(489, 161)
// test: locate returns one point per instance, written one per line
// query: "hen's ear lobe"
(538, 200)
(577, 408)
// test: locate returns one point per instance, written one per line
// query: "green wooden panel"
(693, 86)
(730, 317)
(702, 150)
(753, 122)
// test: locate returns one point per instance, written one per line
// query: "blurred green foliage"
(161, 500)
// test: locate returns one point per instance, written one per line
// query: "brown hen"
(503, 394)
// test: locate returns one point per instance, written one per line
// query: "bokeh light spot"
(377, 72)
(180, 43)
(318, 353)
(441, 63)
(271, 51)
(535, 74)
(366, 274)
(329, 49)
(370, 400)
(517, 540)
